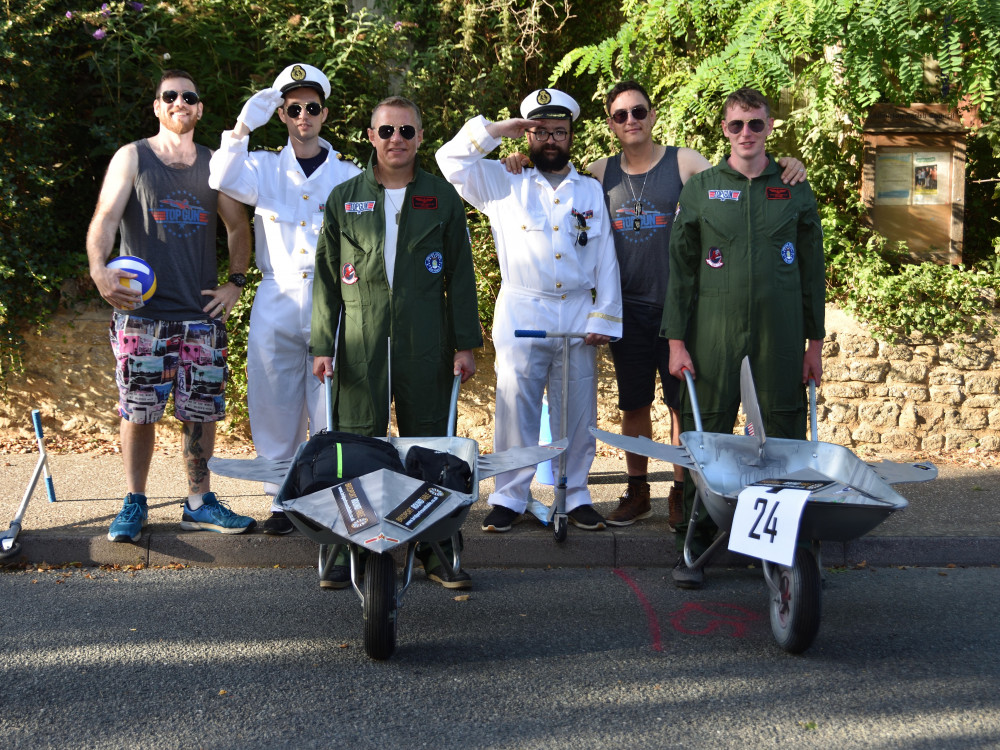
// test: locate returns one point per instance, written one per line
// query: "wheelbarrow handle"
(812, 410)
(453, 407)
(694, 398)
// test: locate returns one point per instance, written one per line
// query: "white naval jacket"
(536, 234)
(288, 206)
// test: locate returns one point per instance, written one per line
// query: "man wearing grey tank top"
(157, 191)
(641, 187)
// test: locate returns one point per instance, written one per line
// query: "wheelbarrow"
(383, 510)
(828, 494)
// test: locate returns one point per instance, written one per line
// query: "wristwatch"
(238, 279)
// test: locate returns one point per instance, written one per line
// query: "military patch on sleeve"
(778, 194)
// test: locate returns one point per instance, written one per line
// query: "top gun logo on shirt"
(724, 195)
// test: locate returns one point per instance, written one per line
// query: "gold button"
(557, 200)
(523, 226)
(272, 217)
(563, 297)
(558, 256)
(555, 229)
(303, 251)
(305, 197)
(302, 223)
(558, 285)
(305, 275)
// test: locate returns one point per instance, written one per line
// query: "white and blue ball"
(144, 281)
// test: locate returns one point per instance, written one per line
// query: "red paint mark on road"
(712, 616)
(651, 620)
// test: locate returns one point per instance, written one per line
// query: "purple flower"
(100, 34)
(137, 6)
(398, 26)
(69, 14)
(105, 11)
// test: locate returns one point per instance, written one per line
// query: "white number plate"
(766, 523)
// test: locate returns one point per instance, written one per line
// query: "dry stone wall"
(919, 394)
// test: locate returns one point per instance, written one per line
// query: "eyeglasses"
(638, 112)
(543, 135)
(407, 131)
(736, 126)
(312, 108)
(189, 97)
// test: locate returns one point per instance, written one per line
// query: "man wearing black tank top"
(641, 187)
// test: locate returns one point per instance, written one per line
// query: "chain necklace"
(392, 203)
(637, 207)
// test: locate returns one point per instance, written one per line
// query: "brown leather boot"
(675, 507)
(632, 506)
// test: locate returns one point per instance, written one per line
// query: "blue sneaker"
(214, 516)
(128, 524)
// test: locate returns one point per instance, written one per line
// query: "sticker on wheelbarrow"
(766, 523)
(355, 510)
(796, 484)
(418, 507)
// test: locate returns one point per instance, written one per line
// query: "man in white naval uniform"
(288, 191)
(559, 273)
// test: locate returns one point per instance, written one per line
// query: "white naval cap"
(299, 75)
(549, 104)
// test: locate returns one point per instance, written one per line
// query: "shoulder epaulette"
(353, 160)
(272, 149)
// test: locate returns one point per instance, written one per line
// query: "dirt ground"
(68, 375)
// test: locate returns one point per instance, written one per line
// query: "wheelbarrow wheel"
(796, 607)
(560, 524)
(380, 606)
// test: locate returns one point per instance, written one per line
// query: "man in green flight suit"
(746, 279)
(395, 287)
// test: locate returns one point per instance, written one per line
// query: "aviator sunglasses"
(189, 97)
(407, 131)
(736, 126)
(312, 108)
(638, 112)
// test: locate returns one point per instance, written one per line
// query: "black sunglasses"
(189, 97)
(312, 108)
(407, 131)
(736, 126)
(638, 112)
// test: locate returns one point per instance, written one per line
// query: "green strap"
(340, 460)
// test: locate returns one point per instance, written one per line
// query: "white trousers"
(525, 368)
(284, 398)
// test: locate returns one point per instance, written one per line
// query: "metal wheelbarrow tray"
(847, 498)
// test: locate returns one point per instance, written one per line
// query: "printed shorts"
(639, 355)
(156, 357)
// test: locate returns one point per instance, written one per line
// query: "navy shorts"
(639, 355)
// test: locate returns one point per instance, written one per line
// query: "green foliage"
(825, 62)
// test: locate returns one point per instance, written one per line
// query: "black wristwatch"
(238, 279)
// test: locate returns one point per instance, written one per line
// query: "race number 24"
(766, 523)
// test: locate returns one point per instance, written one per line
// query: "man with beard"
(157, 190)
(559, 273)
(288, 191)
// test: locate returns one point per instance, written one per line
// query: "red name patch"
(778, 194)
(424, 202)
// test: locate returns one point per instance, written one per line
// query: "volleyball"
(145, 280)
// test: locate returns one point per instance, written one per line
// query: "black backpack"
(332, 458)
(440, 468)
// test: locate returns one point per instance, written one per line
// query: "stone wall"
(921, 394)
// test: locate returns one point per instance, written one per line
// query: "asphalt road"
(534, 658)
